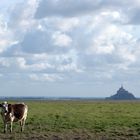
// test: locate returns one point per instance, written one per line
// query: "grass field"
(79, 120)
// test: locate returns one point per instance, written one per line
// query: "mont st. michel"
(122, 94)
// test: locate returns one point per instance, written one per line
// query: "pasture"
(78, 120)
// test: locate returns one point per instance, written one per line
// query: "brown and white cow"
(13, 113)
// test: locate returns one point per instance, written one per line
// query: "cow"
(13, 113)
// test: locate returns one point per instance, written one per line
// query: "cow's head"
(4, 107)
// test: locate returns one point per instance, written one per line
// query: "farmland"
(79, 120)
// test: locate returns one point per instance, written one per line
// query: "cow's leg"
(11, 126)
(5, 127)
(22, 124)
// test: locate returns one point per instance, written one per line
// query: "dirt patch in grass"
(70, 135)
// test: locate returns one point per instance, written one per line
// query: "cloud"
(61, 39)
(45, 77)
(36, 42)
(128, 8)
(21, 15)
(66, 24)
(63, 8)
(6, 38)
(70, 41)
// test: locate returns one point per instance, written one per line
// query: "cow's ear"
(0, 105)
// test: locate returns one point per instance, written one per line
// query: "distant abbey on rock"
(122, 94)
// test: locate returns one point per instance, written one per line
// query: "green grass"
(79, 120)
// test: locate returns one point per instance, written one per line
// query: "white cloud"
(61, 39)
(59, 63)
(108, 49)
(4, 62)
(113, 40)
(45, 77)
(66, 24)
(6, 38)
(3, 24)
(21, 62)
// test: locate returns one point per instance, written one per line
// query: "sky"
(71, 48)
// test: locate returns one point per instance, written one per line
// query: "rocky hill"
(122, 94)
